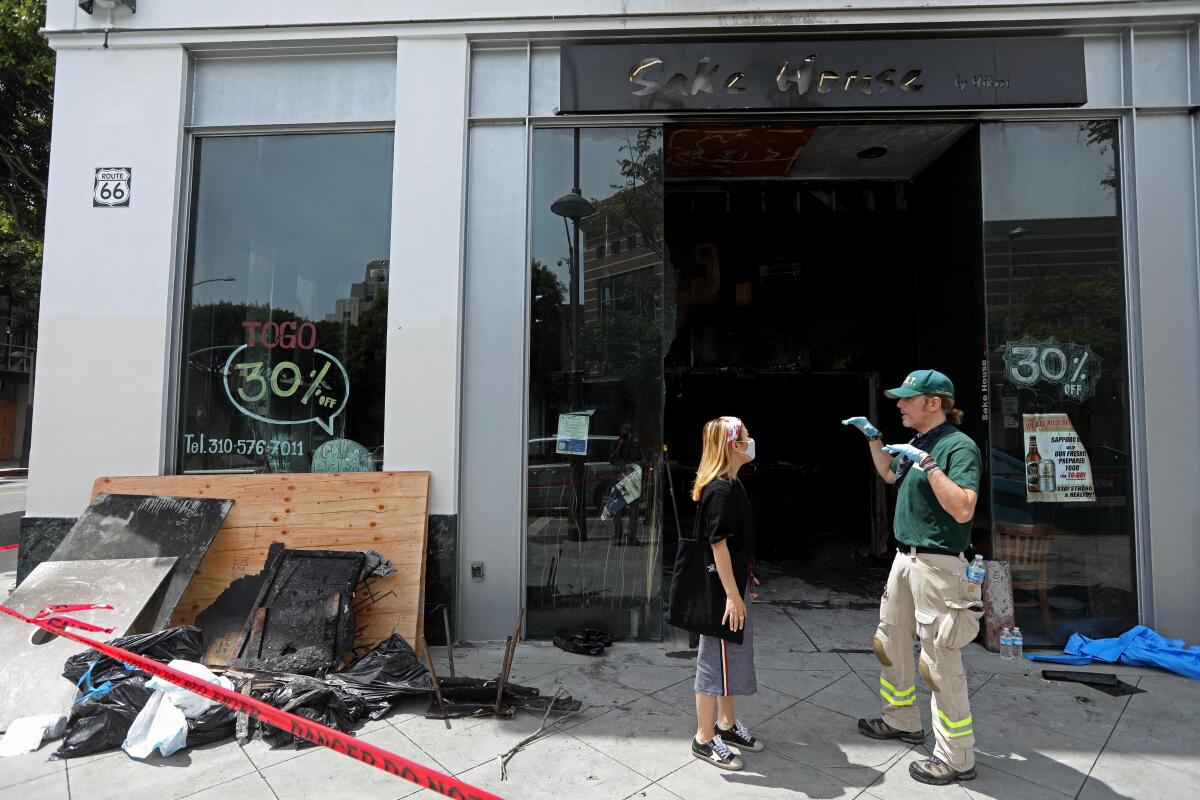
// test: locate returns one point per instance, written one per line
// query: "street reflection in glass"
(284, 333)
(596, 383)
(1060, 426)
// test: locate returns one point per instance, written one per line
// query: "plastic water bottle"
(1018, 645)
(1006, 645)
(976, 571)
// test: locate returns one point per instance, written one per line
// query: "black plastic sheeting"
(101, 721)
(215, 725)
(312, 699)
(388, 673)
(184, 642)
(113, 695)
(584, 642)
(1111, 685)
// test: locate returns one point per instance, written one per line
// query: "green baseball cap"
(924, 381)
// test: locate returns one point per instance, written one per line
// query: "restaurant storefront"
(538, 266)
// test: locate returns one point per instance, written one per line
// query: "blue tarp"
(1137, 647)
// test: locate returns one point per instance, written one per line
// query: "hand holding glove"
(864, 425)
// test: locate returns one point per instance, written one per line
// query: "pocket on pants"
(959, 625)
(926, 622)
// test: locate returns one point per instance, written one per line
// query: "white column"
(107, 274)
(425, 285)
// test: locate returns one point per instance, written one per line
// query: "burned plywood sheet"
(31, 679)
(303, 618)
(222, 622)
(144, 526)
(383, 511)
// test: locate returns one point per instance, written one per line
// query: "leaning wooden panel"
(383, 511)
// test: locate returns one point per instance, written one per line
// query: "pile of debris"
(292, 635)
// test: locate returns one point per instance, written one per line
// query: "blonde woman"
(725, 669)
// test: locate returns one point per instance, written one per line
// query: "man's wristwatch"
(876, 438)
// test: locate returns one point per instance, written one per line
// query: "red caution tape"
(296, 725)
(4, 547)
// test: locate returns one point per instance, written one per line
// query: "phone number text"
(195, 444)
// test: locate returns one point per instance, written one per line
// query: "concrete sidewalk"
(1035, 739)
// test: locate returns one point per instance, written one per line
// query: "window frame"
(171, 454)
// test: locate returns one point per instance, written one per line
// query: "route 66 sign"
(112, 187)
(1074, 367)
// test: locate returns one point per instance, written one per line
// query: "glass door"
(597, 326)
(1062, 491)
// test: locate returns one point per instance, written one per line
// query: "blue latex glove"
(907, 450)
(864, 425)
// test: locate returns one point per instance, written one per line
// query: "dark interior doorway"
(813, 267)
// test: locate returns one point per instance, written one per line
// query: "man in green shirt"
(928, 594)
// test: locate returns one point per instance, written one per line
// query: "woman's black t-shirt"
(724, 514)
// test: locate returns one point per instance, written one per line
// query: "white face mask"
(750, 449)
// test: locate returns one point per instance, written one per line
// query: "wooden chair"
(1026, 548)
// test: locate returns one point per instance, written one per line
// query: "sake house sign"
(782, 75)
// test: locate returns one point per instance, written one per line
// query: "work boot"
(717, 753)
(878, 729)
(740, 737)
(936, 772)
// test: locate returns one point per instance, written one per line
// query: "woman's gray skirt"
(724, 668)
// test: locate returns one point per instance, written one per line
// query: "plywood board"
(31, 680)
(142, 526)
(382, 511)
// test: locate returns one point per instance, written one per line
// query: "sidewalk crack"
(417, 745)
(854, 672)
(795, 622)
(1096, 760)
(980, 686)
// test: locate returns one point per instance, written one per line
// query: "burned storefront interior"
(708, 254)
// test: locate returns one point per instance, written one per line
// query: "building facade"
(499, 242)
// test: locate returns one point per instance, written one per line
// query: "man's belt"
(928, 551)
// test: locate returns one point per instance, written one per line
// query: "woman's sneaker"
(717, 753)
(741, 738)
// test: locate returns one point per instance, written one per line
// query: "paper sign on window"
(1057, 468)
(572, 437)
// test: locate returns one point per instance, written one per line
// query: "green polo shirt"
(920, 519)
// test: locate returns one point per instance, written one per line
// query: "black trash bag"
(381, 677)
(101, 721)
(215, 725)
(184, 642)
(584, 641)
(312, 699)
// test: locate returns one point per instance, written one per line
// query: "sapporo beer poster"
(1057, 468)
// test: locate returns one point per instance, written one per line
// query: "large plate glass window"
(284, 331)
(1060, 419)
(596, 382)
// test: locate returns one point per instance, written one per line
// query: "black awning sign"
(790, 75)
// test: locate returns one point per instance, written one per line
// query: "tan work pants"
(929, 596)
